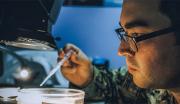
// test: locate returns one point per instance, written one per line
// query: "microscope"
(25, 26)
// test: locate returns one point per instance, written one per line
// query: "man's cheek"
(144, 60)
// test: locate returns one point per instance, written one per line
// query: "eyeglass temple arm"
(154, 34)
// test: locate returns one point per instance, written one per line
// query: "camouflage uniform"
(117, 87)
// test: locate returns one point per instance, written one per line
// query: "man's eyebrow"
(135, 23)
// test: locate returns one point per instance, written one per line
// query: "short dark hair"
(171, 8)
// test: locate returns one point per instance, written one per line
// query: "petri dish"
(51, 96)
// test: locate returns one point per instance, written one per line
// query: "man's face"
(156, 62)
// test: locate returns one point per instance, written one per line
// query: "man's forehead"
(142, 2)
(138, 9)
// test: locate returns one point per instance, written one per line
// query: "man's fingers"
(67, 70)
(69, 46)
(75, 59)
(72, 61)
(60, 51)
(67, 64)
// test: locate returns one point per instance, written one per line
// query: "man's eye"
(135, 34)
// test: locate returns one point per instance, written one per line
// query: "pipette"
(58, 65)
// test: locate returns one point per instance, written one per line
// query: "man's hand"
(78, 69)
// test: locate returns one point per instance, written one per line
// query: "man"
(149, 33)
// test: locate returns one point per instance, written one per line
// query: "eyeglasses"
(134, 39)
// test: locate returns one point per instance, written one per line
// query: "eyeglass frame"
(143, 37)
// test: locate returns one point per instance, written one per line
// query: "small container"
(8, 95)
(9, 100)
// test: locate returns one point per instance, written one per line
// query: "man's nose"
(125, 49)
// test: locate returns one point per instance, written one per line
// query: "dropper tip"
(41, 84)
